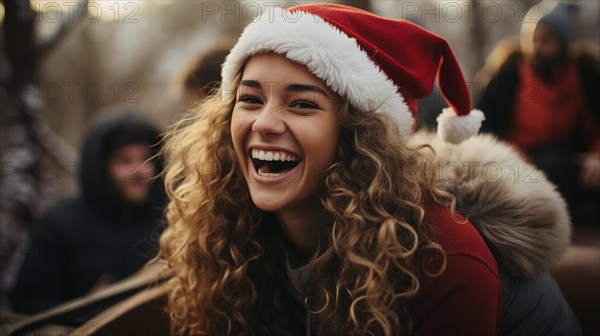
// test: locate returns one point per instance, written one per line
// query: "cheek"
(146, 169)
(330, 131)
(240, 128)
(114, 171)
(330, 154)
(320, 142)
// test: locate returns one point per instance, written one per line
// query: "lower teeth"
(265, 174)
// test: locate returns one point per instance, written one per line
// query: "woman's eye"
(249, 100)
(302, 104)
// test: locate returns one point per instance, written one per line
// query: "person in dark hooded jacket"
(107, 232)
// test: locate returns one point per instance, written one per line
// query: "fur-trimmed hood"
(510, 202)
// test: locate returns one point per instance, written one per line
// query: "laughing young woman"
(297, 205)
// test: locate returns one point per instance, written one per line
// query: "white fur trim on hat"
(455, 129)
(328, 53)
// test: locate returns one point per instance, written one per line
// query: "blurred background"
(68, 65)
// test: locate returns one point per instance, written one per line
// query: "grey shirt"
(298, 275)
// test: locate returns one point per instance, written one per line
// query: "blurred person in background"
(545, 102)
(204, 74)
(106, 233)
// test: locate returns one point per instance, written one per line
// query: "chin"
(137, 200)
(136, 197)
(269, 203)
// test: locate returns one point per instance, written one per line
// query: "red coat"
(466, 298)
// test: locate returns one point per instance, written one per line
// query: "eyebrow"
(250, 83)
(290, 88)
(305, 87)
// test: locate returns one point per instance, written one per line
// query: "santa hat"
(376, 63)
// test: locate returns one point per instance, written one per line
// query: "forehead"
(134, 149)
(277, 69)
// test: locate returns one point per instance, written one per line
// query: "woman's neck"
(301, 225)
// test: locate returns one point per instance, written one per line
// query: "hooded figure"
(106, 233)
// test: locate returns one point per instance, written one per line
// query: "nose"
(269, 121)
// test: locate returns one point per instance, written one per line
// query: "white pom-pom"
(455, 129)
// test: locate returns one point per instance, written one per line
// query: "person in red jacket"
(544, 100)
(297, 206)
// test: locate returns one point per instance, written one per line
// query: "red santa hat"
(376, 63)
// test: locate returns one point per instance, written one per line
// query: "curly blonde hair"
(229, 278)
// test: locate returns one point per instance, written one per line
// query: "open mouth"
(273, 163)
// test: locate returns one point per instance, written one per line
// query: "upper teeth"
(272, 156)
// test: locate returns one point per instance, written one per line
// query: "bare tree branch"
(64, 29)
